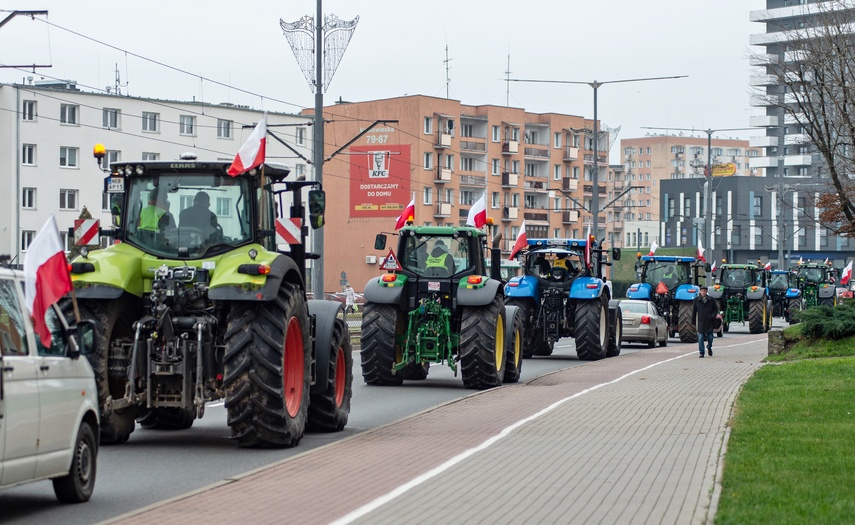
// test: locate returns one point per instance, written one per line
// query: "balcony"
(763, 142)
(569, 184)
(763, 121)
(535, 185)
(569, 217)
(443, 209)
(532, 216)
(443, 175)
(589, 189)
(472, 145)
(541, 153)
(570, 154)
(473, 180)
(619, 184)
(510, 147)
(510, 180)
(617, 225)
(797, 160)
(601, 159)
(763, 162)
(510, 213)
(443, 140)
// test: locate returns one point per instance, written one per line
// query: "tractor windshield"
(737, 277)
(670, 273)
(433, 256)
(779, 281)
(813, 275)
(183, 216)
(549, 261)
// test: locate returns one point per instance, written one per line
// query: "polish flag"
(847, 274)
(478, 213)
(251, 154)
(46, 276)
(712, 268)
(701, 252)
(826, 261)
(768, 265)
(801, 261)
(588, 247)
(653, 247)
(409, 213)
(520, 243)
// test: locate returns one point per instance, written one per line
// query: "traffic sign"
(391, 262)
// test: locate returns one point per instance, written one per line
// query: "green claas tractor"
(195, 305)
(741, 293)
(436, 304)
(817, 283)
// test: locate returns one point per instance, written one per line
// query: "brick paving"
(633, 439)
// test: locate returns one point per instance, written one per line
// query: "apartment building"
(445, 154)
(48, 130)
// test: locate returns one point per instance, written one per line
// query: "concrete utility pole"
(781, 189)
(595, 199)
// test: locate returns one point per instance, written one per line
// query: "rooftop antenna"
(508, 83)
(119, 84)
(447, 68)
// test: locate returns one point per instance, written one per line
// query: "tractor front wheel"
(756, 316)
(591, 329)
(379, 350)
(482, 345)
(514, 336)
(795, 306)
(530, 341)
(328, 410)
(688, 331)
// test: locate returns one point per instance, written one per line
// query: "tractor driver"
(156, 217)
(440, 263)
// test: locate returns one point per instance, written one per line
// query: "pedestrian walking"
(349, 299)
(704, 312)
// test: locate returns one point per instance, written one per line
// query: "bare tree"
(814, 68)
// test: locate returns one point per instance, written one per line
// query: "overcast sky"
(399, 47)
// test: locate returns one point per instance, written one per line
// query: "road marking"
(418, 480)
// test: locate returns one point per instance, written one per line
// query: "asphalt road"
(155, 465)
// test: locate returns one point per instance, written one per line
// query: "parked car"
(49, 421)
(642, 323)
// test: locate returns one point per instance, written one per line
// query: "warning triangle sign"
(391, 262)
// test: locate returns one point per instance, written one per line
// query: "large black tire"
(378, 350)
(616, 332)
(113, 322)
(167, 418)
(482, 345)
(795, 306)
(827, 301)
(591, 329)
(543, 348)
(514, 344)
(688, 331)
(328, 410)
(652, 342)
(78, 484)
(756, 316)
(267, 369)
(527, 310)
(416, 371)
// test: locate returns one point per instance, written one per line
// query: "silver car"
(642, 323)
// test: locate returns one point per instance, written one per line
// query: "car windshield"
(436, 256)
(670, 273)
(636, 308)
(185, 215)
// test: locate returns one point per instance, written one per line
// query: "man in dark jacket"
(704, 311)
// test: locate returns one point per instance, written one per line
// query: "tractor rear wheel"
(688, 331)
(267, 370)
(592, 329)
(756, 316)
(616, 333)
(328, 410)
(379, 350)
(482, 345)
(514, 336)
(527, 310)
(827, 301)
(167, 418)
(795, 306)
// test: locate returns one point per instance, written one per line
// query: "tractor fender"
(325, 314)
(98, 291)
(759, 293)
(377, 292)
(716, 292)
(580, 288)
(826, 291)
(478, 296)
(116, 269)
(792, 293)
(643, 291)
(686, 292)
(522, 286)
(510, 312)
(614, 305)
(282, 268)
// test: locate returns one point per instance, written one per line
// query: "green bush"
(825, 322)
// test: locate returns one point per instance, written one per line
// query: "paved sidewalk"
(633, 439)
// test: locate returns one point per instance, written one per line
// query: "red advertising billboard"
(379, 180)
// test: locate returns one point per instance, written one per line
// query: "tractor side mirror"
(380, 242)
(615, 254)
(317, 206)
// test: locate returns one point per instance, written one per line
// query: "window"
(187, 125)
(556, 172)
(68, 113)
(110, 118)
(647, 238)
(428, 195)
(67, 199)
(147, 155)
(494, 200)
(556, 141)
(28, 110)
(428, 161)
(27, 239)
(556, 207)
(758, 235)
(823, 237)
(428, 125)
(150, 121)
(299, 170)
(224, 205)
(718, 206)
(736, 235)
(467, 198)
(495, 164)
(68, 157)
(687, 208)
(530, 170)
(300, 136)
(224, 129)
(802, 237)
(758, 206)
(28, 155)
(111, 156)
(449, 195)
(467, 164)
(496, 134)
(467, 130)
(576, 172)
(28, 198)
(515, 134)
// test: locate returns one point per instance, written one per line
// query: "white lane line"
(418, 480)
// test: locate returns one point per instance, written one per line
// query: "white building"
(48, 131)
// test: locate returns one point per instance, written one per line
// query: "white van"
(48, 399)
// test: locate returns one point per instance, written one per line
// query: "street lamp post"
(595, 201)
(781, 189)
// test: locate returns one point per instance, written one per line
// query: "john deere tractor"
(785, 294)
(817, 283)
(672, 283)
(741, 293)
(436, 303)
(562, 293)
(195, 305)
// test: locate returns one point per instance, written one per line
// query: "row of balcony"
(509, 147)
(510, 213)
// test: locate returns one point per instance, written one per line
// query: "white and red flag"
(588, 246)
(826, 261)
(768, 265)
(478, 213)
(701, 252)
(847, 274)
(653, 247)
(712, 268)
(409, 213)
(251, 154)
(520, 243)
(801, 261)
(46, 276)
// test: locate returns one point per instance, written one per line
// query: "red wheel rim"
(340, 376)
(293, 370)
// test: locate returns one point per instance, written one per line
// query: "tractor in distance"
(560, 295)
(817, 282)
(436, 303)
(741, 293)
(671, 283)
(785, 294)
(211, 304)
